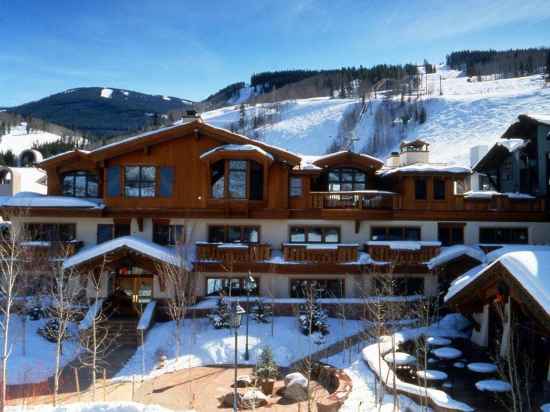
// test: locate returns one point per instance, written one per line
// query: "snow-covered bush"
(261, 311)
(221, 318)
(50, 331)
(312, 318)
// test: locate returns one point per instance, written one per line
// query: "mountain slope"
(102, 112)
(468, 113)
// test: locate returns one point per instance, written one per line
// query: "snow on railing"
(92, 313)
(147, 316)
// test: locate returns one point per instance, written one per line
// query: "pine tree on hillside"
(242, 117)
(548, 67)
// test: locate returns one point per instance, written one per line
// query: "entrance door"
(131, 293)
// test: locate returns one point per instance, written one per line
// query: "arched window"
(80, 184)
(346, 180)
(236, 179)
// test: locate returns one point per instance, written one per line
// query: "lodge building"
(239, 206)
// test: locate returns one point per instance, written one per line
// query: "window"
(231, 286)
(346, 180)
(234, 234)
(503, 235)
(322, 288)
(236, 179)
(50, 232)
(420, 192)
(451, 234)
(439, 188)
(106, 232)
(395, 233)
(166, 234)
(314, 234)
(295, 186)
(80, 184)
(401, 286)
(140, 181)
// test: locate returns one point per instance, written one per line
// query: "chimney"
(413, 152)
(393, 160)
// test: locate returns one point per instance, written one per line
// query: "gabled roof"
(526, 126)
(500, 151)
(63, 157)
(169, 133)
(349, 157)
(133, 244)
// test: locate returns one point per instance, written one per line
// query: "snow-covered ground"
(204, 345)
(32, 357)
(468, 113)
(18, 139)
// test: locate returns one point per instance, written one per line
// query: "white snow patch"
(106, 93)
(403, 244)
(449, 253)
(19, 140)
(236, 148)
(91, 407)
(31, 199)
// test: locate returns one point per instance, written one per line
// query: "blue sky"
(191, 49)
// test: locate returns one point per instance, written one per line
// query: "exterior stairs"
(125, 331)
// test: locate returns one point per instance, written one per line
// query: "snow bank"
(92, 313)
(91, 407)
(147, 316)
(373, 355)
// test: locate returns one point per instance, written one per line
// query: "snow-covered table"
(437, 341)
(482, 367)
(432, 375)
(399, 358)
(447, 352)
(493, 385)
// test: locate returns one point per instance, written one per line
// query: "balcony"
(402, 252)
(233, 252)
(366, 199)
(502, 202)
(325, 253)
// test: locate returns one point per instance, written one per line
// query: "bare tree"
(65, 291)
(12, 259)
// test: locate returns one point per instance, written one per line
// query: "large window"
(321, 288)
(346, 180)
(231, 286)
(451, 233)
(166, 234)
(314, 234)
(236, 179)
(401, 286)
(107, 232)
(420, 191)
(140, 181)
(80, 184)
(234, 234)
(395, 233)
(439, 188)
(50, 232)
(503, 235)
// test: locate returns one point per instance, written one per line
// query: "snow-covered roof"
(65, 153)
(529, 264)
(425, 168)
(236, 148)
(539, 117)
(341, 152)
(512, 144)
(452, 252)
(403, 244)
(137, 244)
(31, 199)
(490, 193)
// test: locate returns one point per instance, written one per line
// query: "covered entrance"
(129, 293)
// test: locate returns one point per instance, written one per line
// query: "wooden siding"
(386, 254)
(322, 255)
(230, 253)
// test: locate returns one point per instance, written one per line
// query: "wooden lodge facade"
(240, 206)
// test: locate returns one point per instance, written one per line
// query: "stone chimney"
(393, 160)
(414, 152)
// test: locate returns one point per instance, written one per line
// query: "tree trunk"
(5, 354)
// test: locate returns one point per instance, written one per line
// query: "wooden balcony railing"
(233, 252)
(320, 253)
(368, 199)
(504, 203)
(402, 252)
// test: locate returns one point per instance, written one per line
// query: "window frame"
(293, 290)
(308, 228)
(403, 285)
(49, 232)
(295, 190)
(402, 229)
(80, 173)
(340, 171)
(173, 238)
(242, 285)
(140, 181)
(242, 229)
(510, 235)
(227, 171)
(435, 188)
(115, 228)
(417, 181)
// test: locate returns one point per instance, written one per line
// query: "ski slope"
(19, 140)
(467, 113)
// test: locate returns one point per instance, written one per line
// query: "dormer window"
(346, 180)
(236, 179)
(80, 183)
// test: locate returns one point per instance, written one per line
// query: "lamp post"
(250, 284)
(236, 315)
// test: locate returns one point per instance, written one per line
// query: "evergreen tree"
(8, 158)
(548, 66)
(242, 117)
(266, 368)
